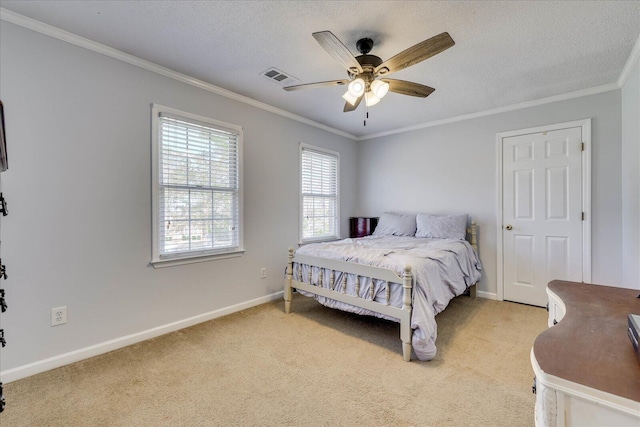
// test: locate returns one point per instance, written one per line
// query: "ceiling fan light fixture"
(370, 99)
(356, 87)
(379, 88)
(350, 98)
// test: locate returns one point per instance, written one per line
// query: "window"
(197, 199)
(319, 194)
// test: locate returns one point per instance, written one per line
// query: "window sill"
(171, 262)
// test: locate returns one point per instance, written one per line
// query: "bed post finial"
(287, 283)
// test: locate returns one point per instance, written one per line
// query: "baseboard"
(30, 369)
(487, 295)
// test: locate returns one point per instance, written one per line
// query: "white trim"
(499, 254)
(631, 62)
(84, 353)
(570, 388)
(65, 36)
(562, 97)
(172, 262)
(309, 147)
(186, 257)
(486, 295)
(40, 27)
(585, 124)
(586, 201)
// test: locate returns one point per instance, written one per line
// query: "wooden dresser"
(586, 369)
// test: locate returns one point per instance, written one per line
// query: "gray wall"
(452, 168)
(79, 194)
(78, 187)
(631, 179)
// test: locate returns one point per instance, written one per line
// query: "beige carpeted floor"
(314, 367)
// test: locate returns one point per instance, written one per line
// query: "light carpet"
(313, 367)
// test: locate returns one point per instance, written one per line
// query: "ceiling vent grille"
(279, 77)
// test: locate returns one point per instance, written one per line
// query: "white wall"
(631, 179)
(452, 168)
(78, 188)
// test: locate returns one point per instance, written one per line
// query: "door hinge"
(582, 146)
(583, 216)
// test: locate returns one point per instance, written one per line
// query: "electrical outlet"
(58, 316)
(263, 273)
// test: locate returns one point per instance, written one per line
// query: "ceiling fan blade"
(409, 88)
(415, 54)
(348, 107)
(338, 51)
(317, 84)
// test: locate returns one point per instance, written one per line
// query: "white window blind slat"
(198, 189)
(319, 193)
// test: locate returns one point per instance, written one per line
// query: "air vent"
(279, 77)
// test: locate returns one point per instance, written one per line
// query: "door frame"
(585, 124)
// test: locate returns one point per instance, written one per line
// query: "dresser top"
(590, 346)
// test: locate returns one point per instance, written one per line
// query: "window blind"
(319, 188)
(198, 191)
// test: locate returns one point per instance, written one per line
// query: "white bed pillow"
(442, 226)
(395, 224)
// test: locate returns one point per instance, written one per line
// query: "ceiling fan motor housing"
(371, 61)
(368, 64)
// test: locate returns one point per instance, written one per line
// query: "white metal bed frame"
(361, 270)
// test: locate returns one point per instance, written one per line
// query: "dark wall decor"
(3, 142)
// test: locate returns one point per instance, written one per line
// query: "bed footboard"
(338, 293)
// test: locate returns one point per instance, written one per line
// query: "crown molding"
(57, 33)
(631, 62)
(562, 97)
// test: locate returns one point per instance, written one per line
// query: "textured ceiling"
(505, 53)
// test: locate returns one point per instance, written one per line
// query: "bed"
(407, 271)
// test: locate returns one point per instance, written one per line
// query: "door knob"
(509, 227)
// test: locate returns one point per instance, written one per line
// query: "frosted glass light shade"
(379, 88)
(356, 87)
(351, 99)
(370, 99)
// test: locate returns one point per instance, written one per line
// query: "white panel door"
(542, 212)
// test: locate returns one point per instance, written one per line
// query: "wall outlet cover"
(58, 316)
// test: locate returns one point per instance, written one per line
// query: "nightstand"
(362, 226)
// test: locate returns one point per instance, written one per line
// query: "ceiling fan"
(365, 72)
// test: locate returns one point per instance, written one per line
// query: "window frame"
(161, 260)
(301, 239)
